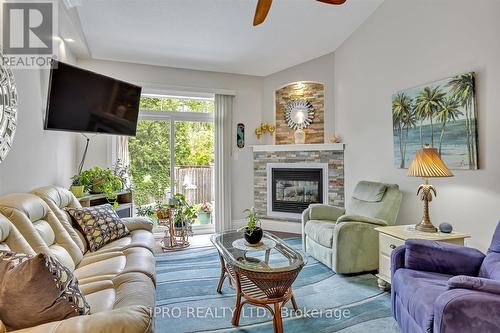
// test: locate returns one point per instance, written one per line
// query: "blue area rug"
(187, 301)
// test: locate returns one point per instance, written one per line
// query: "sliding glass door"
(194, 165)
(173, 152)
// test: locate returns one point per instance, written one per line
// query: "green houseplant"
(252, 231)
(184, 213)
(205, 213)
(76, 186)
(156, 211)
(101, 181)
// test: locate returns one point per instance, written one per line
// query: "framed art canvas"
(442, 115)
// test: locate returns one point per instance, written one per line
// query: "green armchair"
(346, 241)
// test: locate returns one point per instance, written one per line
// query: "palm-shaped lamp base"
(426, 196)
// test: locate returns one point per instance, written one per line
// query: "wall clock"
(299, 114)
(8, 109)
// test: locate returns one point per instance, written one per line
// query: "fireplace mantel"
(300, 147)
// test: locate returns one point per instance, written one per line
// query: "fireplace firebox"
(293, 187)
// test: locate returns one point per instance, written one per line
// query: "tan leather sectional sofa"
(118, 280)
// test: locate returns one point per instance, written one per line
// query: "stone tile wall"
(335, 160)
(310, 91)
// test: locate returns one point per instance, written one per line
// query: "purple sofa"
(439, 287)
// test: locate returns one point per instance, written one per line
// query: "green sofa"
(345, 240)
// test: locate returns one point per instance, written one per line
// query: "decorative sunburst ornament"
(299, 114)
(8, 109)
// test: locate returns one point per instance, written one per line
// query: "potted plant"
(101, 181)
(184, 213)
(205, 213)
(162, 210)
(147, 211)
(76, 186)
(121, 170)
(159, 212)
(252, 231)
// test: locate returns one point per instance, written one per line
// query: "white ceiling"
(215, 35)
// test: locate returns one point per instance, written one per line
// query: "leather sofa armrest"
(325, 212)
(363, 219)
(474, 283)
(138, 222)
(439, 257)
(137, 319)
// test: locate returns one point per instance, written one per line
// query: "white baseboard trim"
(273, 225)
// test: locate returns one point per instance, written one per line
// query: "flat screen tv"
(83, 101)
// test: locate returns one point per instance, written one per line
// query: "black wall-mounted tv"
(83, 101)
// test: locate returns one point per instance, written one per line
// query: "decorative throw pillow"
(35, 290)
(100, 225)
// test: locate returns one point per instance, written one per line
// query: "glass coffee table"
(262, 276)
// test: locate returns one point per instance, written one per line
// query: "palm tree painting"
(441, 114)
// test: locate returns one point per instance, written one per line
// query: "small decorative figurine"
(265, 128)
(240, 135)
(446, 228)
(335, 139)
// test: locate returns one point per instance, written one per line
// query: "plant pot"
(255, 236)
(96, 187)
(181, 224)
(113, 203)
(77, 190)
(204, 217)
(163, 214)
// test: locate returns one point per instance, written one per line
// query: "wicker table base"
(176, 238)
(267, 290)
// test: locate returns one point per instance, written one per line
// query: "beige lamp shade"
(427, 164)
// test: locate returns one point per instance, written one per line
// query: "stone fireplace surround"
(330, 154)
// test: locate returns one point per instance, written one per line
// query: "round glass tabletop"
(265, 244)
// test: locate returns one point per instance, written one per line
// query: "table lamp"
(427, 164)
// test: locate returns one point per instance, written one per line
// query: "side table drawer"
(388, 243)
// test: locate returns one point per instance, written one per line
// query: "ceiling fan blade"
(333, 2)
(261, 11)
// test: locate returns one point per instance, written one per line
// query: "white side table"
(393, 236)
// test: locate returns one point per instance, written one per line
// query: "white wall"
(318, 70)
(248, 103)
(403, 44)
(37, 157)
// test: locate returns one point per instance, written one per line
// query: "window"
(178, 104)
(173, 151)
